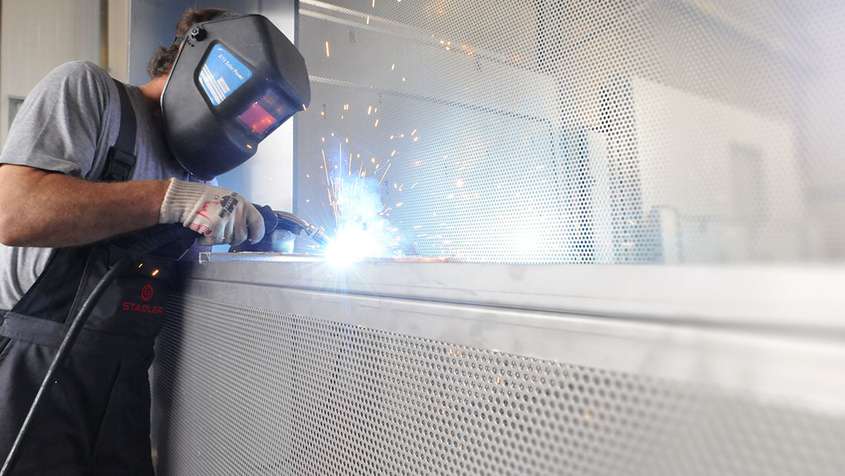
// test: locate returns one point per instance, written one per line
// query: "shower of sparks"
(362, 229)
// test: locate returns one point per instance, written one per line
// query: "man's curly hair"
(164, 57)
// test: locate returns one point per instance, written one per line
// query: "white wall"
(118, 39)
(37, 36)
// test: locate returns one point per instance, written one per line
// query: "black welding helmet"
(235, 80)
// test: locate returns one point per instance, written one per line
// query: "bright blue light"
(362, 231)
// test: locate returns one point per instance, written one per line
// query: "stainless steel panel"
(266, 379)
(641, 131)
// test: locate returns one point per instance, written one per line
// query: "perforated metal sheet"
(253, 391)
(544, 131)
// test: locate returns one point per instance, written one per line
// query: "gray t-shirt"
(67, 124)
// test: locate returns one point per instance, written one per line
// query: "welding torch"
(279, 221)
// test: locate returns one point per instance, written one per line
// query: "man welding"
(91, 164)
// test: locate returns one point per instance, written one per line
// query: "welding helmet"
(235, 80)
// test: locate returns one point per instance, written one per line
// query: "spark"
(385, 172)
(328, 50)
(393, 153)
(416, 139)
(346, 107)
(414, 132)
(325, 167)
(368, 19)
(375, 124)
(369, 110)
(155, 272)
(374, 4)
(399, 204)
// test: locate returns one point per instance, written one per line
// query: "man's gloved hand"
(220, 215)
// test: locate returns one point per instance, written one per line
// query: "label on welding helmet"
(222, 74)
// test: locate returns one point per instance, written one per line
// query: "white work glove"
(219, 215)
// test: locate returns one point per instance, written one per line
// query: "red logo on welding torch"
(147, 292)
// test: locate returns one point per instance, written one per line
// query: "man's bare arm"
(39, 208)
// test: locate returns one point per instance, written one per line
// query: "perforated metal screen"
(252, 391)
(576, 132)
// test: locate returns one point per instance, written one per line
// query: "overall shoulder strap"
(120, 160)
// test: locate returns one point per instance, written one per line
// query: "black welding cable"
(164, 234)
(67, 343)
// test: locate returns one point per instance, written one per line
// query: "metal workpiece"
(631, 227)
(790, 298)
(287, 365)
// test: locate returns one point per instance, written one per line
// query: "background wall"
(38, 35)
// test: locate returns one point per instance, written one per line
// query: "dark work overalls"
(95, 418)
